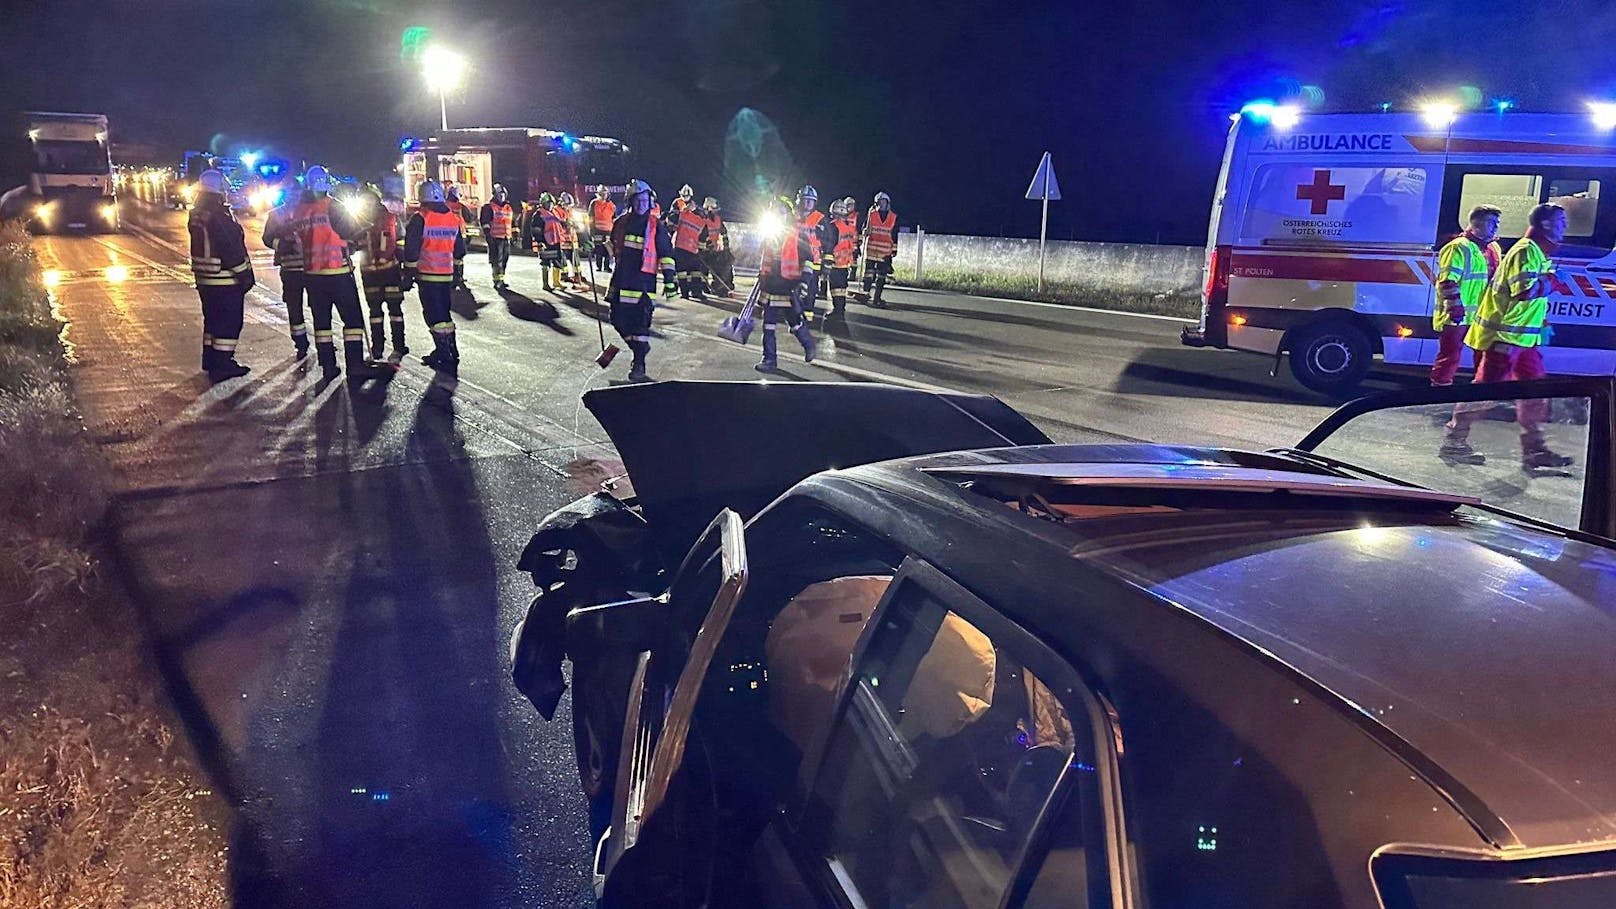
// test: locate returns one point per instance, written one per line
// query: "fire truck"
(1325, 229)
(529, 161)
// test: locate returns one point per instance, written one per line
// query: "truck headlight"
(188, 193)
(109, 212)
(43, 211)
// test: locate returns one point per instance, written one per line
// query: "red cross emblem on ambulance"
(1321, 192)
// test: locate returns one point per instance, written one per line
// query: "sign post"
(1045, 188)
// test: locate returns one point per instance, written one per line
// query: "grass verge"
(1184, 304)
(101, 804)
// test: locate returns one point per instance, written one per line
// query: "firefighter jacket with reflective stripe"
(880, 234)
(687, 230)
(434, 241)
(644, 241)
(601, 214)
(555, 225)
(846, 248)
(1462, 272)
(716, 239)
(496, 218)
(280, 234)
(812, 228)
(324, 229)
(569, 231)
(381, 241)
(218, 246)
(1516, 305)
(786, 257)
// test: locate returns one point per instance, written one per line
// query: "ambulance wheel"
(1330, 357)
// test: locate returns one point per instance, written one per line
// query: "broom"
(608, 352)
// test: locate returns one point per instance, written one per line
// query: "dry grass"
(100, 805)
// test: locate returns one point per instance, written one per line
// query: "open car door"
(1409, 437)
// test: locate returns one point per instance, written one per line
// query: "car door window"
(1411, 442)
(948, 752)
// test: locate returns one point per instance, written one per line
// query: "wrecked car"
(857, 645)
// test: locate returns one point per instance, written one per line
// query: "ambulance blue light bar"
(1604, 114)
(1280, 116)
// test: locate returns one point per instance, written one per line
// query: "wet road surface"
(329, 569)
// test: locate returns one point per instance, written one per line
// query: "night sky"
(946, 105)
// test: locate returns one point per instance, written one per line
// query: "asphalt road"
(329, 569)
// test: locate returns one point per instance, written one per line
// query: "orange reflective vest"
(381, 243)
(811, 224)
(879, 229)
(601, 212)
(440, 230)
(554, 225)
(846, 241)
(324, 251)
(715, 233)
(687, 233)
(500, 227)
(785, 262)
(569, 233)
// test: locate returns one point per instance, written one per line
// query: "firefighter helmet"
(808, 194)
(211, 181)
(499, 190)
(317, 179)
(838, 208)
(849, 204)
(637, 187)
(602, 191)
(432, 191)
(567, 200)
(685, 192)
(710, 203)
(546, 199)
(883, 201)
(453, 194)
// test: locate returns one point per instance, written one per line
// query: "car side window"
(937, 773)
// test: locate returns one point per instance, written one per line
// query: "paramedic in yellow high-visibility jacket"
(1463, 269)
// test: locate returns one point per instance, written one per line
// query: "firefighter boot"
(439, 357)
(378, 336)
(326, 353)
(771, 352)
(636, 369)
(805, 335)
(300, 346)
(399, 347)
(207, 356)
(353, 356)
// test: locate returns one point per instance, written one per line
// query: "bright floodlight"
(1604, 114)
(1439, 114)
(250, 159)
(1285, 116)
(771, 226)
(442, 67)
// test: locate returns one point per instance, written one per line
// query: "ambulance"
(1325, 230)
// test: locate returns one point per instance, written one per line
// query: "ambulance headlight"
(1604, 114)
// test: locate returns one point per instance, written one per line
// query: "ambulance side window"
(1580, 199)
(1514, 194)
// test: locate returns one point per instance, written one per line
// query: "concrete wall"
(1135, 267)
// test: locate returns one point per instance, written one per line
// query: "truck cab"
(71, 185)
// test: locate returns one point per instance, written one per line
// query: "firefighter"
(844, 251)
(784, 274)
(1509, 327)
(223, 272)
(715, 253)
(572, 268)
(811, 223)
(642, 247)
(601, 214)
(545, 234)
(880, 245)
(1464, 268)
(325, 230)
(280, 234)
(381, 276)
(681, 202)
(452, 198)
(689, 224)
(434, 245)
(496, 219)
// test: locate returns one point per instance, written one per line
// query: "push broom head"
(607, 355)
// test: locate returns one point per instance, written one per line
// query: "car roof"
(1485, 645)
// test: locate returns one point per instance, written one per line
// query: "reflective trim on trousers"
(225, 344)
(442, 328)
(353, 334)
(324, 335)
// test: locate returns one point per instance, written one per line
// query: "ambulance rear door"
(1335, 225)
(1582, 308)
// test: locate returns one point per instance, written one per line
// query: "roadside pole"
(1044, 188)
(920, 252)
